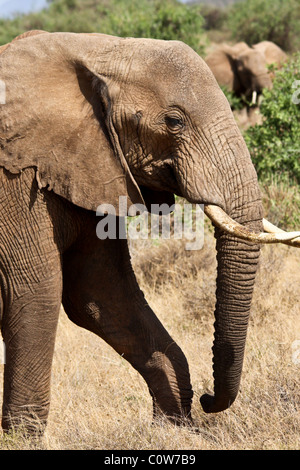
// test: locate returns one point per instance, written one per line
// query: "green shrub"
(253, 21)
(235, 101)
(275, 144)
(168, 19)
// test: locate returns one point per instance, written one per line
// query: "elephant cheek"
(264, 81)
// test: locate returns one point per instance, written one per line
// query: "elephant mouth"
(272, 233)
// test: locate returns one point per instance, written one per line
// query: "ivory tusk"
(270, 228)
(254, 97)
(223, 221)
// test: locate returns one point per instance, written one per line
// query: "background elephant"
(243, 69)
(90, 119)
(271, 52)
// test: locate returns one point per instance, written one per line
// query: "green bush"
(275, 144)
(156, 19)
(168, 19)
(253, 21)
(214, 17)
(235, 102)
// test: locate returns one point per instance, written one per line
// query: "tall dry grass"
(100, 402)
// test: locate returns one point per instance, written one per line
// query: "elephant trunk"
(237, 265)
(234, 189)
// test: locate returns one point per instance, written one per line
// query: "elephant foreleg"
(101, 293)
(29, 328)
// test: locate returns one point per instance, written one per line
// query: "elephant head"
(101, 117)
(252, 72)
(240, 68)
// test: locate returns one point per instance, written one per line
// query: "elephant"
(89, 119)
(27, 34)
(272, 53)
(243, 69)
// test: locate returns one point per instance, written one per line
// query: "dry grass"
(281, 199)
(100, 402)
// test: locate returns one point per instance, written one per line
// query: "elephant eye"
(175, 124)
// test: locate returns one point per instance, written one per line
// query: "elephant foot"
(28, 427)
(178, 417)
(29, 421)
(181, 421)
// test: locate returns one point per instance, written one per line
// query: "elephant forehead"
(171, 70)
(173, 60)
(253, 59)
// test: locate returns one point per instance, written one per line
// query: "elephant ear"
(56, 118)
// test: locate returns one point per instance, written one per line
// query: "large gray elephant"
(243, 69)
(87, 119)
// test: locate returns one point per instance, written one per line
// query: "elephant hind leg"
(101, 294)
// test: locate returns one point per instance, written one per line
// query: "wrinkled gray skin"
(88, 119)
(240, 68)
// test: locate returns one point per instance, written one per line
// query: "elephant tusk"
(270, 228)
(254, 97)
(224, 222)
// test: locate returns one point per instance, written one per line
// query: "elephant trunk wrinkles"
(237, 266)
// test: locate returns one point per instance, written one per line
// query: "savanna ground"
(100, 402)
